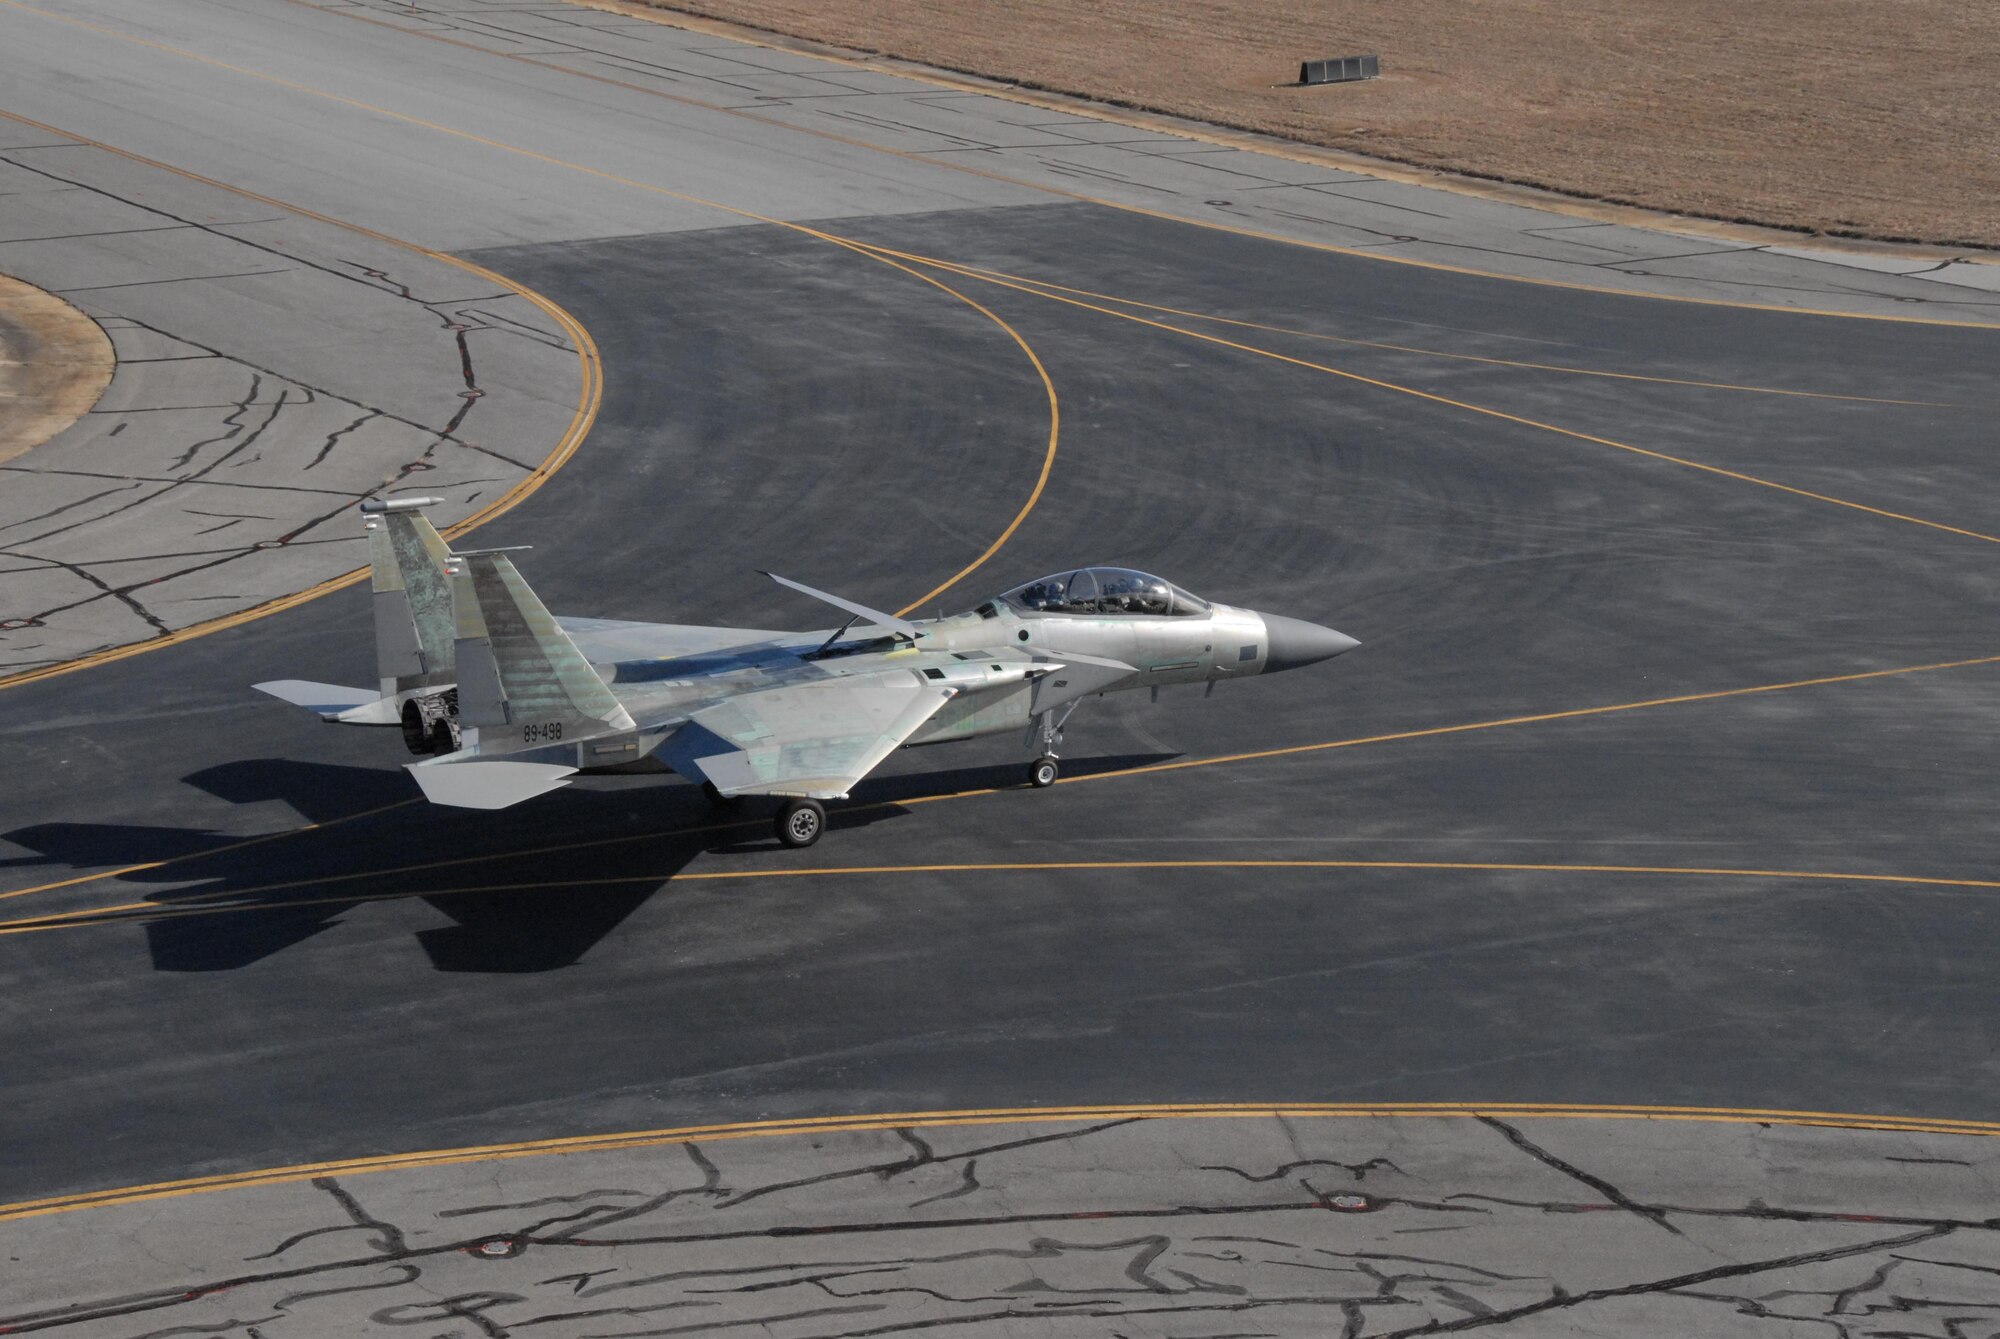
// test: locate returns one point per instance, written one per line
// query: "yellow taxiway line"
(883, 254)
(592, 390)
(1515, 363)
(106, 914)
(823, 1125)
(411, 1161)
(1031, 288)
(1575, 713)
(148, 913)
(1085, 107)
(871, 253)
(212, 851)
(590, 396)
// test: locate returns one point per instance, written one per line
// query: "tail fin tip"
(375, 506)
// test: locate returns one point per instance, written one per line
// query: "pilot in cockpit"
(1042, 595)
(1104, 590)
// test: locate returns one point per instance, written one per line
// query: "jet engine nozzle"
(1292, 642)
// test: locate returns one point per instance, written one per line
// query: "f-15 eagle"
(504, 701)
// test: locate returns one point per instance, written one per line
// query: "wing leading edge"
(810, 740)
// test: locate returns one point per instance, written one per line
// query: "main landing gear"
(801, 822)
(1043, 771)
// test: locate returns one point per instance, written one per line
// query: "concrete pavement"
(272, 370)
(1112, 1222)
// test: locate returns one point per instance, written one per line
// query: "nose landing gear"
(1046, 735)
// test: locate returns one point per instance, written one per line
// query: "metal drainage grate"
(1340, 70)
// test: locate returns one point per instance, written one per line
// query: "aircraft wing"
(605, 641)
(811, 739)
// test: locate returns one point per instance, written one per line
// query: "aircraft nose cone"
(1295, 642)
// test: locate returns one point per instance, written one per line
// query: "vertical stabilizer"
(412, 596)
(521, 681)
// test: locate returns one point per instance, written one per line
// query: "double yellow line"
(998, 1116)
(590, 395)
(588, 403)
(592, 388)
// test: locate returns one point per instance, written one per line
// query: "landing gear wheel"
(1043, 772)
(717, 798)
(800, 822)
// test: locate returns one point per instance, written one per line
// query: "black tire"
(801, 822)
(1043, 772)
(717, 798)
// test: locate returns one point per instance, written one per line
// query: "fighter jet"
(503, 701)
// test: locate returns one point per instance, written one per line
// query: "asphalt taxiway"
(1661, 779)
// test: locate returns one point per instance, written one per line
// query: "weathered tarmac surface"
(1382, 1226)
(1663, 775)
(272, 370)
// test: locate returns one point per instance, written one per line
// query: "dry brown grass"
(54, 363)
(1876, 118)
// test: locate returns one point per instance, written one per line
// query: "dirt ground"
(1871, 118)
(54, 363)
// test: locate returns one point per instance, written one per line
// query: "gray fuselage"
(997, 657)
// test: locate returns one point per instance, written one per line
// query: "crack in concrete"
(1139, 1276)
(1358, 1170)
(1564, 1300)
(968, 1183)
(105, 591)
(888, 1169)
(334, 437)
(1601, 1186)
(389, 1238)
(239, 435)
(232, 423)
(157, 479)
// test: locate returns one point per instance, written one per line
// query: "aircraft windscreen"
(1104, 590)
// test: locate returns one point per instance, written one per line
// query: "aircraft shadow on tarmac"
(504, 885)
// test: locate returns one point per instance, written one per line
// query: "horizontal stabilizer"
(487, 785)
(355, 706)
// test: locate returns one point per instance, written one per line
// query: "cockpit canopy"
(1104, 590)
